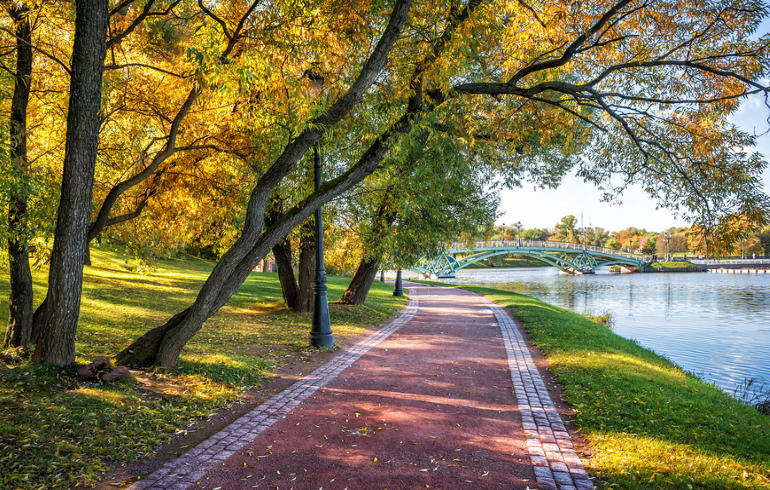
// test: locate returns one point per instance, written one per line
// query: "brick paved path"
(444, 396)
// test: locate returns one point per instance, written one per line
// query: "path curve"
(445, 395)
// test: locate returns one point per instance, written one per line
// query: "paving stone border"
(183, 472)
(556, 464)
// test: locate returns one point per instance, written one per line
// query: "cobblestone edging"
(184, 471)
(556, 464)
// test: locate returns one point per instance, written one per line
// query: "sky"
(543, 208)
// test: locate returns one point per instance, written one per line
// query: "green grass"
(55, 431)
(675, 265)
(652, 425)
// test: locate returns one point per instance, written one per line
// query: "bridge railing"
(732, 262)
(542, 244)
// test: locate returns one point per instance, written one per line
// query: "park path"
(444, 396)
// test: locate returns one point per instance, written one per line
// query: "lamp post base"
(399, 289)
(321, 340)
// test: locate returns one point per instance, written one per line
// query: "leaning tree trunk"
(307, 266)
(359, 287)
(19, 332)
(253, 244)
(56, 344)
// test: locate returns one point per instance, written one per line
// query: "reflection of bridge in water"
(571, 258)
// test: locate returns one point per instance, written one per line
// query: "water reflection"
(714, 325)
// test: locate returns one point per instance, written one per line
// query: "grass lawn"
(674, 265)
(55, 431)
(653, 426)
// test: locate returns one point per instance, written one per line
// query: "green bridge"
(571, 258)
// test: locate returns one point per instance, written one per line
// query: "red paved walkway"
(430, 406)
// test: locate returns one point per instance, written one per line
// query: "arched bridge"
(572, 258)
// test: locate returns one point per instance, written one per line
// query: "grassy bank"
(54, 430)
(652, 425)
(674, 265)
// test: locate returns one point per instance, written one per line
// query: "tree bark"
(19, 328)
(56, 344)
(236, 264)
(282, 254)
(362, 282)
(307, 266)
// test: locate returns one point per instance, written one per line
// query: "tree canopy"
(183, 119)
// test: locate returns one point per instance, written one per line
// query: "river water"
(716, 326)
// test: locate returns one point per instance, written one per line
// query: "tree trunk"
(361, 283)
(56, 344)
(307, 266)
(282, 254)
(253, 244)
(18, 332)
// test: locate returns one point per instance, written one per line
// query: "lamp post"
(518, 231)
(398, 290)
(742, 254)
(321, 330)
(502, 235)
(666, 239)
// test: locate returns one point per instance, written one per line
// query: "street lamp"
(518, 231)
(321, 330)
(502, 235)
(742, 243)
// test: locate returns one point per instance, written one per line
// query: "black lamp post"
(518, 231)
(399, 289)
(321, 330)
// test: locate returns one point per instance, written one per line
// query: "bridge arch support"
(568, 257)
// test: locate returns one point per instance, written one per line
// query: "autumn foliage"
(204, 111)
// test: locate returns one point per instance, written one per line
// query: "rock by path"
(444, 396)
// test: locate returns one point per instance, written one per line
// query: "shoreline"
(650, 423)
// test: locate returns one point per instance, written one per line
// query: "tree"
(677, 244)
(428, 192)
(164, 344)
(565, 229)
(145, 126)
(636, 92)
(536, 234)
(596, 236)
(613, 243)
(19, 329)
(650, 246)
(59, 315)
